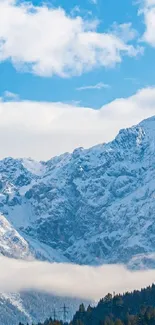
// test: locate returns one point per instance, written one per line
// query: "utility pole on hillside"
(54, 314)
(65, 311)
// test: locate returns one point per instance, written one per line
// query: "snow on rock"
(85, 205)
(91, 206)
(15, 300)
(11, 243)
(34, 167)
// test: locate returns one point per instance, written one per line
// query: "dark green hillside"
(136, 308)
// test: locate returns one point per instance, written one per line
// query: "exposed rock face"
(90, 207)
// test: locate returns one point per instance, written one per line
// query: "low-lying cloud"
(86, 282)
(41, 130)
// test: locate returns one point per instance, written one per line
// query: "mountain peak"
(92, 206)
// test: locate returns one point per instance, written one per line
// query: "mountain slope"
(90, 207)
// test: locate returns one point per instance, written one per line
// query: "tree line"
(135, 308)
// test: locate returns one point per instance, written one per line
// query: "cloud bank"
(70, 280)
(47, 41)
(42, 130)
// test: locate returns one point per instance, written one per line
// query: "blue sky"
(124, 79)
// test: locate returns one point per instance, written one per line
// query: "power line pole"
(54, 314)
(65, 311)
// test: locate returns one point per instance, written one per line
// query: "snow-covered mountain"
(93, 206)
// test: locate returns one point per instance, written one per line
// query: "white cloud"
(99, 86)
(75, 10)
(42, 130)
(148, 11)
(47, 41)
(149, 3)
(94, 2)
(10, 95)
(84, 282)
(124, 31)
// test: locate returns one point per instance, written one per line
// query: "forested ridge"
(136, 308)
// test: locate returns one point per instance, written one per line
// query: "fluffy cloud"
(60, 279)
(9, 95)
(42, 130)
(148, 11)
(124, 31)
(47, 41)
